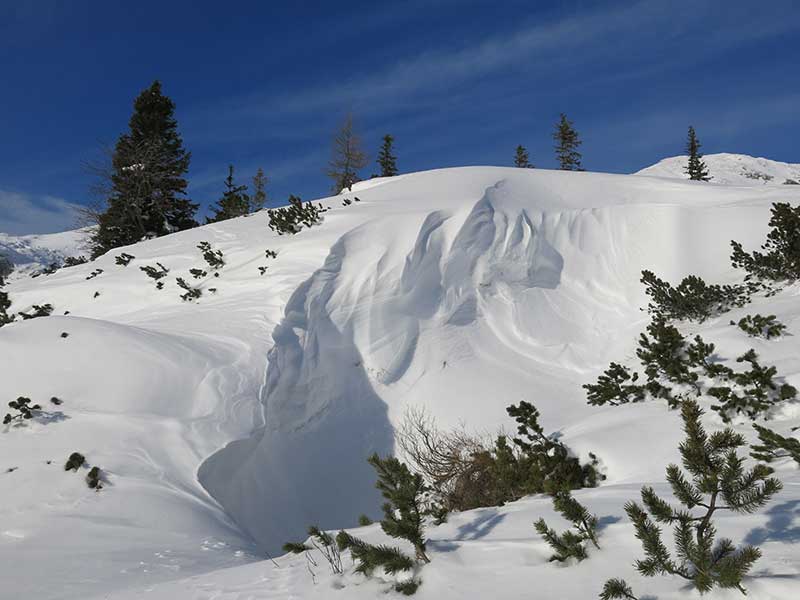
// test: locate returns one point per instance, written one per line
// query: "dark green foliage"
(24, 410)
(347, 157)
(567, 142)
(617, 589)
(761, 326)
(291, 219)
(191, 292)
(124, 259)
(521, 159)
(615, 386)
(322, 542)
(758, 390)
(403, 511)
(234, 202)
(212, 257)
(64, 334)
(386, 159)
(94, 478)
(693, 299)
(147, 184)
(37, 310)
(364, 520)
(664, 356)
(197, 273)
(774, 446)
(408, 587)
(716, 480)
(547, 461)
(259, 198)
(695, 168)
(570, 544)
(5, 304)
(94, 274)
(74, 261)
(96, 295)
(56, 401)
(75, 461)
(369, 557)
(780, 260)
(156, 273)
(6, 268)
(295, 547)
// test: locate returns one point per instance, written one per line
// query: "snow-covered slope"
(228, 425)
(31, 252)
(731, 169)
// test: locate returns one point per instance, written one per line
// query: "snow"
(730, 169)
(226, 426)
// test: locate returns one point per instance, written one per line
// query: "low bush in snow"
(293, 218)
(23, 408)
(761, 326)
(693, 299)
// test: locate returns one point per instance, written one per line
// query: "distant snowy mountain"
(730, 169)
(30, 252)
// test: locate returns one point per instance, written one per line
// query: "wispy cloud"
(24, 213)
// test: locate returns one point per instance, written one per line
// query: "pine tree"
(716, 481)
(567, 142)
(696, 169)
(234, 202)
(147, 184)
(386, 160)
(570, 544)
(521, 159)
(259, 199)
(347, 157)
(403, 511)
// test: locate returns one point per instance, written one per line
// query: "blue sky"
(456, 82)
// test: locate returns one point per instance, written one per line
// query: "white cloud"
(24, 213)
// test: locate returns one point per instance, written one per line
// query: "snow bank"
(228, 425)
(731, 169)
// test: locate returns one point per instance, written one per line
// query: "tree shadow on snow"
(783, 525)
(480, 527)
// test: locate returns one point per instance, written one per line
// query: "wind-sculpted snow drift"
(459, 290)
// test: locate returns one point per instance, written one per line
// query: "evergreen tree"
(403, 511)
(259, 199)
(521, 159)
(716, 481)
(386, 160)
(147, 185)
(696, 169)
(567, 142)
(234, 202)
(570, 544)
(347, 157)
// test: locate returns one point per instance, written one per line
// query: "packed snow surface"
(226, 426)
(731, 169)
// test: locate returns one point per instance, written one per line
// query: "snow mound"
(731, 169)
(226, 426)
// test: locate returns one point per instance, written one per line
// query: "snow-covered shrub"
(716, 480)
(212, 257)
(94, 478)
(124, 259)
(24, 410)
(198, 273)
(761, 326)
(191, 293)
(780, 260)
(291, 219)
(570, 544)
(693, 299)
(74, 261)
(37, 310)
(94, 274)
(156, 273)
(75, 461)
(5, 304)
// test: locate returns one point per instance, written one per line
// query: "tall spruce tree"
(567, 142)
(521, 159)
(347, 157)
(386, 160)
(695, 168)
(147, 196)
(234, 202)
(259, 198)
